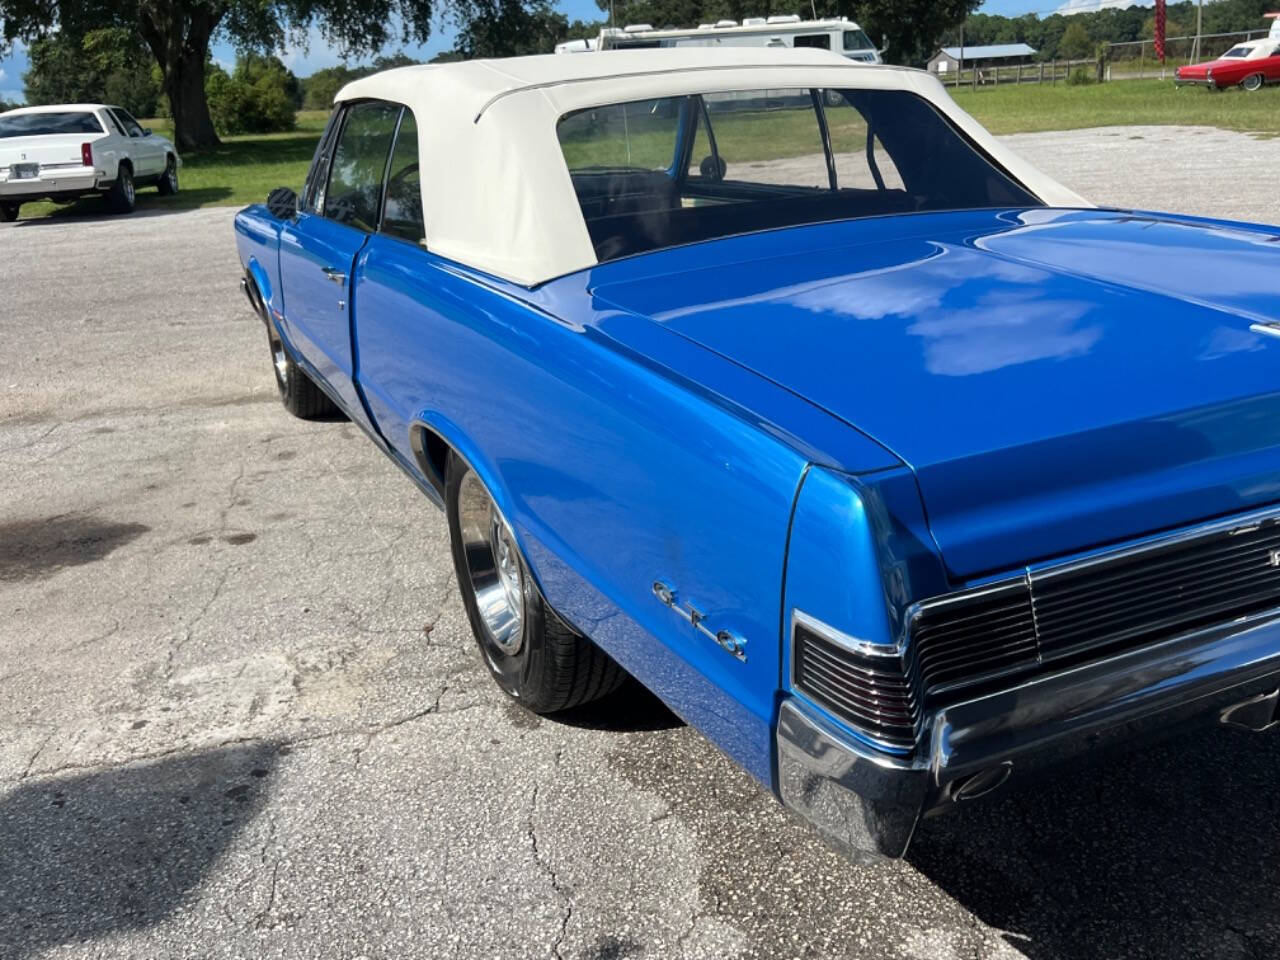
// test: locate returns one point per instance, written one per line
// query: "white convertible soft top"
(496, 190)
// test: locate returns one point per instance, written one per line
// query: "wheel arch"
(259, 286)
(433, 438)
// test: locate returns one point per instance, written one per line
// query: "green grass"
(1031, 107)
(244, 169)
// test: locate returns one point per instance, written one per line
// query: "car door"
(400, 228)
(145, 152)
(318, 248)
(1273, 65)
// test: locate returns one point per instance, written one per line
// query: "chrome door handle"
(337, 276)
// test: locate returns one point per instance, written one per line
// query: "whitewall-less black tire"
(534, 656)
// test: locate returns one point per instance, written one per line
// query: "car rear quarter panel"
(613, 475)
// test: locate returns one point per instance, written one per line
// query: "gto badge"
(1274, 558)
(727, 640)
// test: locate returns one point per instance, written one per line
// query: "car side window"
(318, 174)
(402, 213)
(115, 124)
(862, 163)
(360, 164)
(131, 126)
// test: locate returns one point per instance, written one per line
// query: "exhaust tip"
(981, 783)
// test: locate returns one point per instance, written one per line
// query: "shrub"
(1081, 76)
(260, 97)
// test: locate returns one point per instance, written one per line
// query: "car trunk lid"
(1057, 380)
(62, 151)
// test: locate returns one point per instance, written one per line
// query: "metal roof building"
(948, 59)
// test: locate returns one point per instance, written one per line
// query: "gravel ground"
(241, 714)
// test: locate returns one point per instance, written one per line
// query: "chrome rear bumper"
(868, 804)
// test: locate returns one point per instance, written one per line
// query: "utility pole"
(960, 65)
(1195, 47)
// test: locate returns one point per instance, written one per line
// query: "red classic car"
(1249, 65)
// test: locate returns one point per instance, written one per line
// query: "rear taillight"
(86, 154)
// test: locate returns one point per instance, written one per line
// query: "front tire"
(532, 654)
(9, 212)
(168, 182)
(298, 392)
(1252, 82)
(122, 196)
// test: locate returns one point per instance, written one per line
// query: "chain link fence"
(1137, 59)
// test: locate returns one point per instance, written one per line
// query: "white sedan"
(67, 151)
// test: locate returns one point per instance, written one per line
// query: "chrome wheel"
(279, 359)
(493, 566)
(129, 192)
(1253, 82)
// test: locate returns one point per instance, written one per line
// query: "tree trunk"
(184, 83)
(178, 33)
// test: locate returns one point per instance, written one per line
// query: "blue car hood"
(1056, 379)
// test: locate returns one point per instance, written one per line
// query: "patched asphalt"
(241, 713)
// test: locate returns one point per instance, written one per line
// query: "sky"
(316, 54)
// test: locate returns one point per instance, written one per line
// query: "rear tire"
(168, 182)
(533, 655)
(1253, 82)
(122, 196)
(9, 212)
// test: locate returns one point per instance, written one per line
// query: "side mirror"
(713, 168)
(283, 203)
(146, 131)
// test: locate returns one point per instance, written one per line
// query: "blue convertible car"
(776, 382)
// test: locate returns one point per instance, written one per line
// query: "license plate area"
(24, 171)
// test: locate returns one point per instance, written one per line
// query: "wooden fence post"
(996, 71)
(1053, 77)
(1042, 71)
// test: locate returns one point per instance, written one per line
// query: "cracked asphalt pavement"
(242, 716)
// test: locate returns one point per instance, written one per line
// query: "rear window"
(48, 124)
(659, 173)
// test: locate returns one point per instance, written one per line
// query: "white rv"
(841, 35)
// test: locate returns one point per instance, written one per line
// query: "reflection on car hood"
(1057, 379)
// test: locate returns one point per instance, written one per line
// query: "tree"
(1075, 43)
(262, 96)
(507, 28)
(319, 89)
(179, 32)
(111, 65)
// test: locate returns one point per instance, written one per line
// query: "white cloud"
(3, 76)
(1090, 6)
